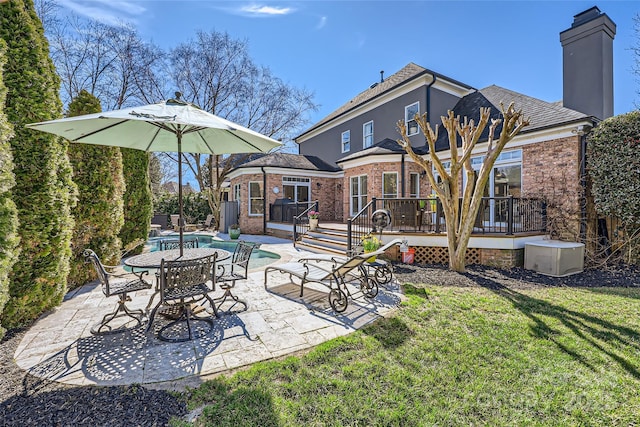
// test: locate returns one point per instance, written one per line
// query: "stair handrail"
(303, 223)
(362, 221)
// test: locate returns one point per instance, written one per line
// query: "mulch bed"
(26, 400)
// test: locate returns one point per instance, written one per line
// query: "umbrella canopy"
(168, 126)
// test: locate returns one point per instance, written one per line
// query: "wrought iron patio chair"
(181, 285)
(187, 243)
(235, 270)
(119, 285)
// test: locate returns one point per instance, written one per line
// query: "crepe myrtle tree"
(461, 204)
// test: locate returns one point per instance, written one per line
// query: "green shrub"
(44, 192)
(195, 206)
(613, 162)
(97, 171)
(138, 207)
(8, 212)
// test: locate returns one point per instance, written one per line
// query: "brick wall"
(328, 192)
(551, 170)
(374, 173)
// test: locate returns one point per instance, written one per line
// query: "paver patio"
(60, 347)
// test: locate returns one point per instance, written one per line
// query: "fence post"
(348, 235)
(438, 214)
(510, 215)
(295, 230)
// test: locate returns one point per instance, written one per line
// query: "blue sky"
(336, 49)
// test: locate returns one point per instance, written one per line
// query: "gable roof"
(541, 114)
(409, 72)
(291, 161)
(386, 146)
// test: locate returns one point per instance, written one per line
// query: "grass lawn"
(455, 356)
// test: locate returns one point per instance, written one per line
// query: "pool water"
(259, 257)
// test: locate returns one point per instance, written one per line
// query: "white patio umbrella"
(168, 126)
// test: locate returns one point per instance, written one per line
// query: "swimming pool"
(259, 257)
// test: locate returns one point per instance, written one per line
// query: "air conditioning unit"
(554, 258)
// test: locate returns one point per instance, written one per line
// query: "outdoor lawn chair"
(116, 285)
(335, 275)
(236, 270)
(181, 285)
(187, 243)
(208, 223)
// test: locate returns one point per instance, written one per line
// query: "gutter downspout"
(402, 174)
(264, 198)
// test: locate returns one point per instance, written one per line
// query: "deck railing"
(301, 221)
(497, 215)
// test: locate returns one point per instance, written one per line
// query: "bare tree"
(112, 63)
(460, 210)
(215, 72)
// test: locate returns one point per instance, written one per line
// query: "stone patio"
(60, 347)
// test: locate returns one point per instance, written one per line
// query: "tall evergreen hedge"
(138, 207)
(44, 192)
(8, 212)
(98, 215)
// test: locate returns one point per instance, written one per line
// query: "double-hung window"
(346, 141)
(367, 134)
(410, 112)
(389, 185)
(256, 202)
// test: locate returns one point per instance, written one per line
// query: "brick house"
(351, 156)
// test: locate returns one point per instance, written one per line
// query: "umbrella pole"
(181, 212)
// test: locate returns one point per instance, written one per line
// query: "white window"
(389, 185)
(358, 199)
(346, 141)
(256, 202)
(410, 112)
(236, 192)
(414, 185)
(367, 134)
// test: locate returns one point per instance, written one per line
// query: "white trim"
(369, 159)
(364, 135)
(283, 171)
(382, 192)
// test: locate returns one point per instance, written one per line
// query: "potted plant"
(313, 220)
(370, 243)
(234, 231)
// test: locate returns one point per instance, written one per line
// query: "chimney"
(381, 76)
(587, 64)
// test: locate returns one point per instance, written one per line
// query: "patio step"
(319, 249)
(329, 234)
(340, 245)
(325, 240)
